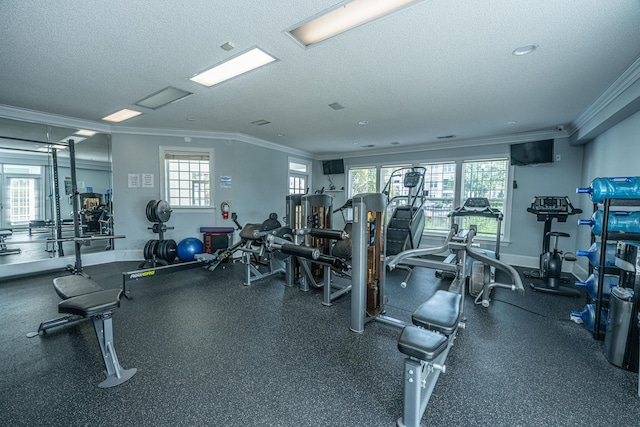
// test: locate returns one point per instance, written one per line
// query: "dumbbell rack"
(159, 251)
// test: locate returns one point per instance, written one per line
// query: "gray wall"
(524, 246)
(615, 152)
(259, 186)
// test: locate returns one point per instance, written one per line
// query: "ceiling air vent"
(260, 122)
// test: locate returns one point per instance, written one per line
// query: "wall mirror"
(34, 212)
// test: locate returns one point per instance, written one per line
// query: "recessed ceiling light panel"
(244, 62)
(85, 132)
(122, 115)
(161, 98)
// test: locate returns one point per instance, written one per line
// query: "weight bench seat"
(247, 231)
(75, 285)
(91, 304)
(421, 343)
(439, 313)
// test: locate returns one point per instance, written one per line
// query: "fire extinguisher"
(224, 208)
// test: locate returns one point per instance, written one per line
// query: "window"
(362, 180)
(298, 176)
(188, 178)
(440, 183)
(23, 198)
(450, 184)
(485, 178)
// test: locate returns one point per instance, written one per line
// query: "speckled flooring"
(212, 352)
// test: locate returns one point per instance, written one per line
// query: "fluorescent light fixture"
(345, 16)
(161, 98)
(233, 67)
(122, 115)
(85, 132)
(48, 148)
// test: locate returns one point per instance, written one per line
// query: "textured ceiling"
(438, 68)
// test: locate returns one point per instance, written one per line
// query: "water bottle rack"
(605, 237)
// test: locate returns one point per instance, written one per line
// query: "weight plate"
(146, 252)
(163, 211)
(154, 248)
(170, 250)
(150, 209)
(159, 249)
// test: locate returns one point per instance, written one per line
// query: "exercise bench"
(427, 343)
(82, 298)
(4, 250)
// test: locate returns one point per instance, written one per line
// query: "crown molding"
(124, 130)
(461, 143)
(615, 103)
(32, 116)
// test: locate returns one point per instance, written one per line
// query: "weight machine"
(311, 221)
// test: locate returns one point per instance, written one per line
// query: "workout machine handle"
(297, 250)
(326, 233)
(495, 263)
(394, 260)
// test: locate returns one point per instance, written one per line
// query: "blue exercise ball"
(188, 248)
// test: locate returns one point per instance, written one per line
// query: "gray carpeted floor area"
(212, 352)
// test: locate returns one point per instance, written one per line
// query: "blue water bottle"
(593, 253)
(619, 221)
(588, 317)
(621, 187)
(591, 285)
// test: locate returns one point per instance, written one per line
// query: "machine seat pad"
(421, 343)
(247, 231)
(74, 285)
(89, 305)
(440, 313)
(4, 232)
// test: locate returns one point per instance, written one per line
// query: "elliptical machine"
(548, 208)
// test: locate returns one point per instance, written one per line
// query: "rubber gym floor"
(212, 352)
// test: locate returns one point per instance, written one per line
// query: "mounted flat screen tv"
(532, 153)
(333, 167)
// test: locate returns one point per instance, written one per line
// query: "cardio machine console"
(476, 206)
(412, 179)
(558, 207)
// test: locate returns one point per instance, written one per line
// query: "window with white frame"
(187, 178)
(23, 193)
(440, 183)
(485, 178)
(299, 171)
(362, 180)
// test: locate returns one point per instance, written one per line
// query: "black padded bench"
(82, 298)
(4, 250)
(427, 344)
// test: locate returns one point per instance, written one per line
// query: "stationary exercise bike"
(548, 208)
